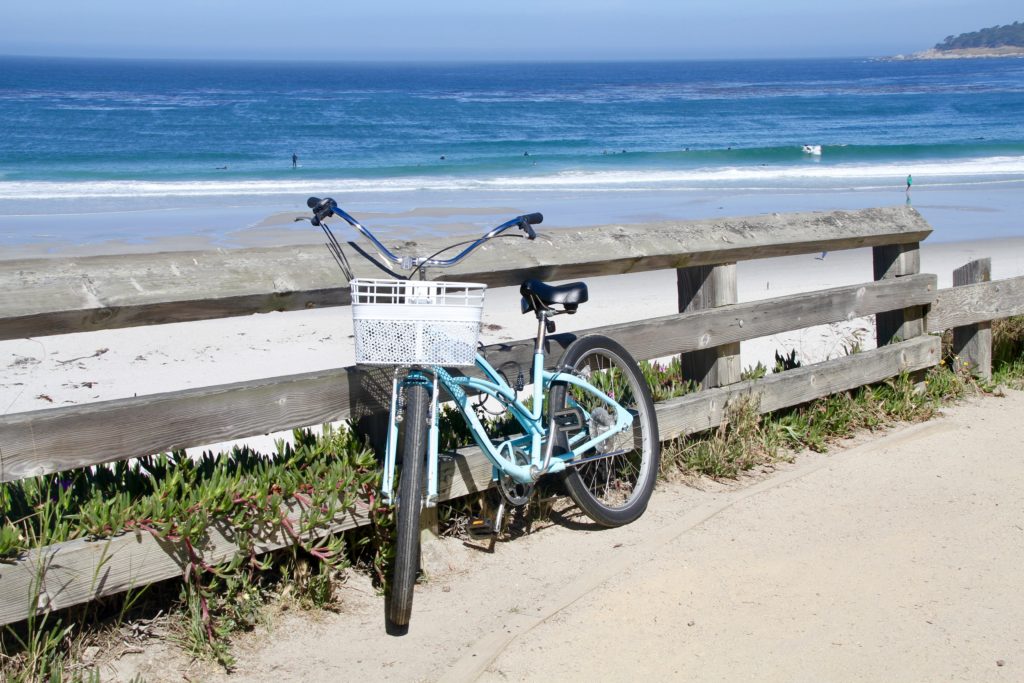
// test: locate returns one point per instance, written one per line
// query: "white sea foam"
(808, 175)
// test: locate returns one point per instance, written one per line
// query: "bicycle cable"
(346, 268)
(480, 405)
(452, 246)
(334, 246)
(339, 255)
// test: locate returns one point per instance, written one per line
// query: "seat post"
(542, 327)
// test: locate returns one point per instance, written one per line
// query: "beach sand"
(79, 368)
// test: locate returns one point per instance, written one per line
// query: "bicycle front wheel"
(410, 493)
(613, 481)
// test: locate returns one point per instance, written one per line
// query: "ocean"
(100, 151)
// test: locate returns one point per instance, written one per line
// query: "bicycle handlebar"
(327, 207)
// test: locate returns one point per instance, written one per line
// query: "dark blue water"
(223, 127)
(139, 151)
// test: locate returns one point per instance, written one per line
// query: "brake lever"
(531, 234)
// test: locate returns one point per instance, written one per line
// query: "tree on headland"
(1010, 35)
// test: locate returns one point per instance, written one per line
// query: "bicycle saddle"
(539, 296)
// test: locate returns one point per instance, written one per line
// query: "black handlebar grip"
(322, 208)
(534, 218)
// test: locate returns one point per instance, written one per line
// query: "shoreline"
(956, 212)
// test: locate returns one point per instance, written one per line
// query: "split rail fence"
(55, 296)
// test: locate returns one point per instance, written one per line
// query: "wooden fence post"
(892, 261)
(699, 288)
(973, 343)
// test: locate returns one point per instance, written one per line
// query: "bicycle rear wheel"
(612, 482)
(410, 493)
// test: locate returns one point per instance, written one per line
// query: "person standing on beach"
(910, 181)
(295, 160)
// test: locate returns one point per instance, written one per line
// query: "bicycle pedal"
(480, 527)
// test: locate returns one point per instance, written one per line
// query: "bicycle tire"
(410, 493)
(614, 490)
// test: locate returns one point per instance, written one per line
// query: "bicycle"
(590, 421)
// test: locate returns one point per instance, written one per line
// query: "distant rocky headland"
(966, 53)
(995, 41)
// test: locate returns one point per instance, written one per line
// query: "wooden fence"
(53, 296)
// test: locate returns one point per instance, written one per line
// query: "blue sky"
(488, 29)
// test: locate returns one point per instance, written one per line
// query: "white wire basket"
(410, 322)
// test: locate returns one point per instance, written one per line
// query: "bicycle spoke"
(613, 480)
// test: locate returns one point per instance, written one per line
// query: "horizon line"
(439, 60)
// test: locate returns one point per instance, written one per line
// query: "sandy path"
(898, 559)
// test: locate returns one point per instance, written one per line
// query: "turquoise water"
(109, 137)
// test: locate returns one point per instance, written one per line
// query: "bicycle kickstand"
(499, 518)
(479, 527)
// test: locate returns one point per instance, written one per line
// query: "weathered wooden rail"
(55, 296)
(49, 296)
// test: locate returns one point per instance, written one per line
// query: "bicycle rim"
(612, 482)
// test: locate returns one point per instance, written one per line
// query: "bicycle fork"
(396, 415)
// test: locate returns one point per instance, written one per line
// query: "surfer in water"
(295, 160)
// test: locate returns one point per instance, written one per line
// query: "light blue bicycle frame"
(501, 455)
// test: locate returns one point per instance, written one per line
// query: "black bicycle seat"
(539, 295)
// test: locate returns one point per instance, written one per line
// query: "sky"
(505, 30)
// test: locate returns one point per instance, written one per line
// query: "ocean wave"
(703, 90)
(810, 175)
(963, 168)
